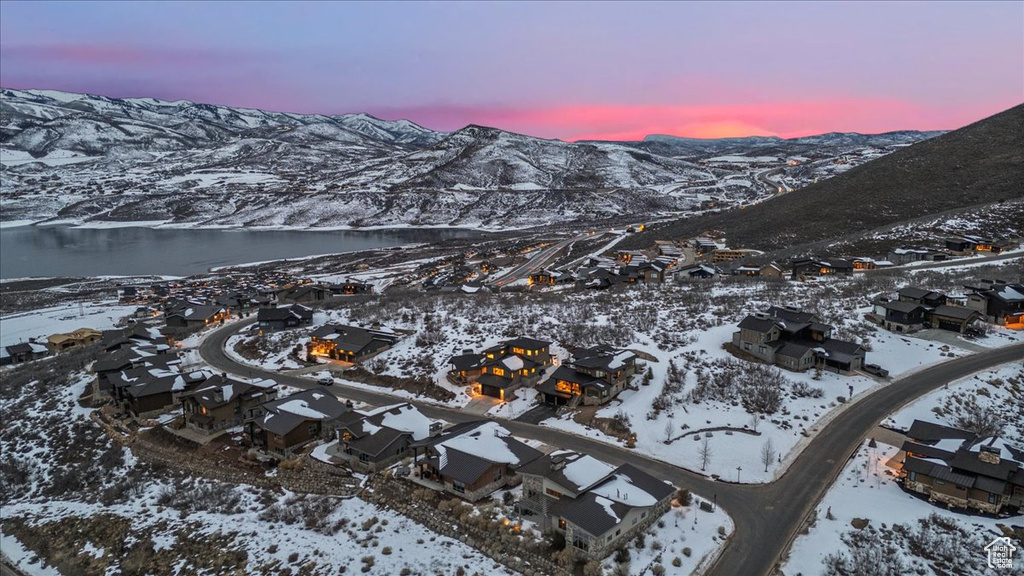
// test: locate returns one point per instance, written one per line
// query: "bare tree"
(755, 421)
(669, 428)
(767, 453)
(705, 453)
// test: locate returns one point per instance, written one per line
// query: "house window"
(991, 498)
(940, 482)
(580, 541)
(497, 474)
(458, 487)
(762, 349)
(746, 346)
(364, 457)
(913, 476)
(561, 523)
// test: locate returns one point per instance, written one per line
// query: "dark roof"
(466, 467)
(968, 461)
(926, 451)
(958, 312)
(792, 315)
(495, 381)
(466, 361)
(901, 306)
(601, 357)
(793, 350)
(282, 416)
(354, 338)
(569, 375)
(218, 391)
(915, 293)
(757, 324)
(929, 432)
(297, 311)
(590, 514)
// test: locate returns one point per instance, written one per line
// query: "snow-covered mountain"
(84, 157)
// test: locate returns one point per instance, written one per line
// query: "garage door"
(949, 325)
(492, 391)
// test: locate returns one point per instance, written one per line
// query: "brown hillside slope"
(978, 164)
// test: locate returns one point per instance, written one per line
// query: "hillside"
(85, 158)
(978, 164)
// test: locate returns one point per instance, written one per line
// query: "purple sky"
(565, 70)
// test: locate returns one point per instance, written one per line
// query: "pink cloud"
(787, 119)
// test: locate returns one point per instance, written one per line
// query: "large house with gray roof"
(960, 469)
(594, 376)
(371, 440)
(147, 391)
(473, 459)
(351, 343)
(595, 505)
(222, 402)
(499, 370)
(288, 424)
(796, 340)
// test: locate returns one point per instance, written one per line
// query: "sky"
(569, 70)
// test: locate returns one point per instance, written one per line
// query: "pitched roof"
(930, 432)
(958, 312)
(285, 414)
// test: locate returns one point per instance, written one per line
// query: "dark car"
(876, 370)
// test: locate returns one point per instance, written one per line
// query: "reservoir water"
(65, 251)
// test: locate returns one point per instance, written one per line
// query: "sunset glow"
(551, 70)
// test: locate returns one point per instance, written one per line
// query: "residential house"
(957, 468)
(796, 340)
(349, 288)
(371, 440)
(596, 506)
(473, 459)
(900, 316)
(351, 343)
(147, 391)
(499, 370)
(197, 316)
(122, 359)
(304, 293)
(694, 272)
(58, 343)
(747, 269)
(221, 402)
(917, 308)
(928, 298)
(862, 263)
(1000, 302)
(290, 423)
(814, 267)
(908, 254)
(954, 318)
(728, 254)
(26, 352)
(593, 376)
(282, 317)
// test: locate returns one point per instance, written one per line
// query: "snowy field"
(1000, 389)
(41, 323)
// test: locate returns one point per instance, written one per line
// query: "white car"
(325, 380)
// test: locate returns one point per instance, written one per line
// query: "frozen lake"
(64, 251)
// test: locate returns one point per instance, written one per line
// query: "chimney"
(988, 454)
(557, 463)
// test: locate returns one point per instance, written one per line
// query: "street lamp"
(738, 470)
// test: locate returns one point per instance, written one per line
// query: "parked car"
(325, 380)
(876, 370)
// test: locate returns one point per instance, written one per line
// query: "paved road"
(767, 517)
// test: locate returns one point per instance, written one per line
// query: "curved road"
(767, 517)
